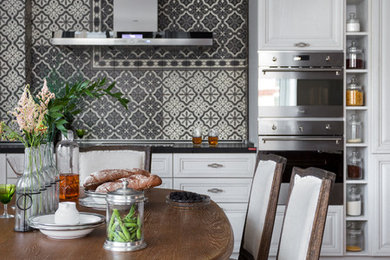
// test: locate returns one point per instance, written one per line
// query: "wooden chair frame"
(138, 148)
(328, 179)
(265, 241)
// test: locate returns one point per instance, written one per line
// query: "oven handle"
(337, 71)
(335, 139)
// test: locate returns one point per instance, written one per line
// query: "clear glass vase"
(50, 181)
(56, 175)
(46, 178)
(27, 192)
(42, 207)
(67, 158)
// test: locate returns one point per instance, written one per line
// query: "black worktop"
(163, 147)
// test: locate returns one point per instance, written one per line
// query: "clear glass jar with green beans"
(125, 217)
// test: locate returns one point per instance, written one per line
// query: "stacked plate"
(46, 224)
(94, 200)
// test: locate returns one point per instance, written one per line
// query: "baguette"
(136, 182)
(95, 179)
(111, 180)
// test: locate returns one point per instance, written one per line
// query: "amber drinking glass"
(213, 137)
(197, 136)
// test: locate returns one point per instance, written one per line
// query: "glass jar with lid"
(125, 220)
(354, 201)
(355, 237)
(355, 166)
(355, 57)
(67, 158)
(353, 24)
(354, 134)
(354, 93)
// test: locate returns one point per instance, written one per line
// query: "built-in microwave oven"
(296, 84)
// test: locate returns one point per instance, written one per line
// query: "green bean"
(122, 226)
(131, 212)
(139, 233)
(122, 236)
(117, 238)
(130, 224)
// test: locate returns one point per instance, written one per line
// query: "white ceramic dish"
(91, 203)
(46, 224)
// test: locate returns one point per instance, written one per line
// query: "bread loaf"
(136, 181)
(137, 178)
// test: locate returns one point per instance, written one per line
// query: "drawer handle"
(302, 44)
(215, 190)
(215, 165)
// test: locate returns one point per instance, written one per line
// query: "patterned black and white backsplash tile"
(12, 55)
(171, 90)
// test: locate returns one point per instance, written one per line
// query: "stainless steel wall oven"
(300, 103)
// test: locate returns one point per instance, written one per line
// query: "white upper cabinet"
(381, 239)
(301, 24)
(381, 76)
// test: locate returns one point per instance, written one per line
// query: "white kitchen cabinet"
(214, 165)
(381, 76)
(162, 164)
(236, 213)
(232, 190)
(225, 177)
(301, 24)
(381, 234)
(332, 243)
(167, 183)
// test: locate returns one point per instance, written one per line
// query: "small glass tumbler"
(213, 137)
(197, 136)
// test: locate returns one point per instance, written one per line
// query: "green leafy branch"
(63, 109)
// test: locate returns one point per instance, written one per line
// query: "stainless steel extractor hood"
(135, 24)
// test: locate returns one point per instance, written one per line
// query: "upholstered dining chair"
(305, 215)
(261, 212)
(98, 158)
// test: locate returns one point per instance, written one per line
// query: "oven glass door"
(285, 94)
(329, 161)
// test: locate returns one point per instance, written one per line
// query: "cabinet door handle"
(215, 165)
(302, 44)
(215, 190)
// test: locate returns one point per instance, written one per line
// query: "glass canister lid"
(352, 18)
(124, 195)
(354, 84)
(354, 48)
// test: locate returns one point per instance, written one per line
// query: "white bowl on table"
(47, 225)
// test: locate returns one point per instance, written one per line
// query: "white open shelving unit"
(363, 38)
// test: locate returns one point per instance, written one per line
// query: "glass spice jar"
(355, 166)
(353, 24)
(354, 134)
(355, 237)
(354, 93)
(354, 201)
(125, 220)
(355, 57)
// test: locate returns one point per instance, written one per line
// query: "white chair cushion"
(299, 217)
(94, 161)
(257, 209)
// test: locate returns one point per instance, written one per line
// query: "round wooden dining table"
(170, 233)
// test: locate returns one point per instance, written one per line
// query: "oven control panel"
(300, 127)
